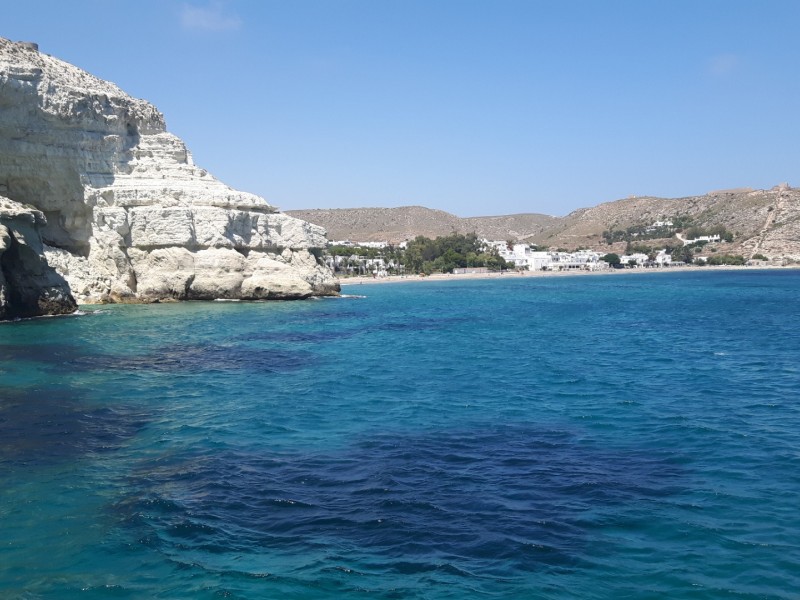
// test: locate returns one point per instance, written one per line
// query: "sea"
(618, 436)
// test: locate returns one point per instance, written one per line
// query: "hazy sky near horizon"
(473, 107)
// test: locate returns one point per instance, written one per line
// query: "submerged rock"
(127, 215)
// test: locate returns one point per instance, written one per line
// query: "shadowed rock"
(29, 287)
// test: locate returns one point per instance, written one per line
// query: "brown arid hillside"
(395, 225)
(511, 227)
(762, 222)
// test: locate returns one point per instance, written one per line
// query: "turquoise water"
(572, 437)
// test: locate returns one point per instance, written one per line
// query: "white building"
(658, 224)
(703, 238)
(663, 259)
(539, 261)
(522, 256)
(499, 245)
(638, 258)
(586, 260)
(517, 255)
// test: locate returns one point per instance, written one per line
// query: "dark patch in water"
(300, 337)
(420, 324)
(493, 501)
(338, 333)
(51, 353)
(68, 358)
(319, 315)
(49, 425)
(202, 357)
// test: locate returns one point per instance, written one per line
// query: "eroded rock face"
(29, 287)
(128, 215)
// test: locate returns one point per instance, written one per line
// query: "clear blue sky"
(474, 107)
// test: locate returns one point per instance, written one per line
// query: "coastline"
(345, 281)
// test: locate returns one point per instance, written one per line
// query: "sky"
(475, 107)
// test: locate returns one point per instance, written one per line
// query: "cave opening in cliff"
(60, 199)
(16, 268)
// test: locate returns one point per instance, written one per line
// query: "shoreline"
(360, 280)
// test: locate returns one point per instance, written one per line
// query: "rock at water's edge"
(29, 287)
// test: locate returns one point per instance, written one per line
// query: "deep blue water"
(569, 437)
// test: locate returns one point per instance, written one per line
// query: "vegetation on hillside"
(637, 232)
(693, 233)
(680, 224)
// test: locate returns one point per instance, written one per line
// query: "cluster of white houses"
(362, 265)
(522, 256)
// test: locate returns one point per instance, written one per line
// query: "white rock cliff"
(129, 216)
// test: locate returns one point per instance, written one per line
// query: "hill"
(397, 224)
(760, 221)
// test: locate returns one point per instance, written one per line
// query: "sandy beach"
(345, 281)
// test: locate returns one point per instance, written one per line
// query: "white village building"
(663, 259)
(703, 238)
(638, 258)
(522, 256)
(586, 260)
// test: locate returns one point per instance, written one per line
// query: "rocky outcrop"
(29, 287)
(128, 216)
